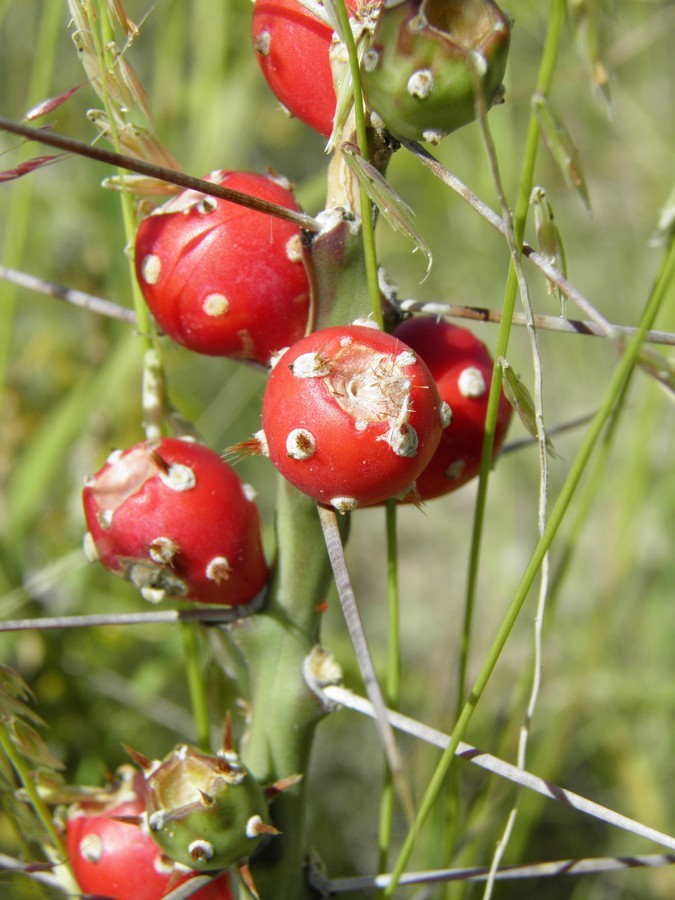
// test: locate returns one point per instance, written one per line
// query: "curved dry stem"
(501, 768)
(357, 634)
(151, 170)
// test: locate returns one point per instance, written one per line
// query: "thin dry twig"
(68, 295)
(206, 615)
(588, 866)
(359, 641)
(40, 873)
(562, 427)
(541, 322)
(550, 271)
(103, 307)
(141, 167)
(521, 777)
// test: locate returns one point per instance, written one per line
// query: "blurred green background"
(71, 392)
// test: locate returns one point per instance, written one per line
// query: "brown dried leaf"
(395, 211)
(119, 13)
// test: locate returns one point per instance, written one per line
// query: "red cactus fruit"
(222, 279)
(293, 49)
(115, 858)
(351, 416)
(462, 368)
(173, 518)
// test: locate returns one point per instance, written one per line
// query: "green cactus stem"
(276, 644)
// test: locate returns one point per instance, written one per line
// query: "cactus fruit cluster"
(422, 61)
(353, 415)
(249, 314)
(114, 856)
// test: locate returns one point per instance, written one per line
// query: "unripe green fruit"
(207, 812)
(418, 74)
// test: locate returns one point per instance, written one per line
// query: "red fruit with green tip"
(117, 859)
(222, 279)
(351, 416)
(293, 50)
(177, 521)
(462, 368)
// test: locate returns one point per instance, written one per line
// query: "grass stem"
(620, 378)
(42, 811)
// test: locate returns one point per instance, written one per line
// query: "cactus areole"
(418, 73)
(177, 521)
(351, 416)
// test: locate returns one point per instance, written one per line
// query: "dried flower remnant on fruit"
(205, 812)
(350, 416)
(174, 519)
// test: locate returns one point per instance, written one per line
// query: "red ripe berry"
(462, 368)
(116, 859)
(351, 416)
(293, 50)
(176, 520)
(222, 279)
